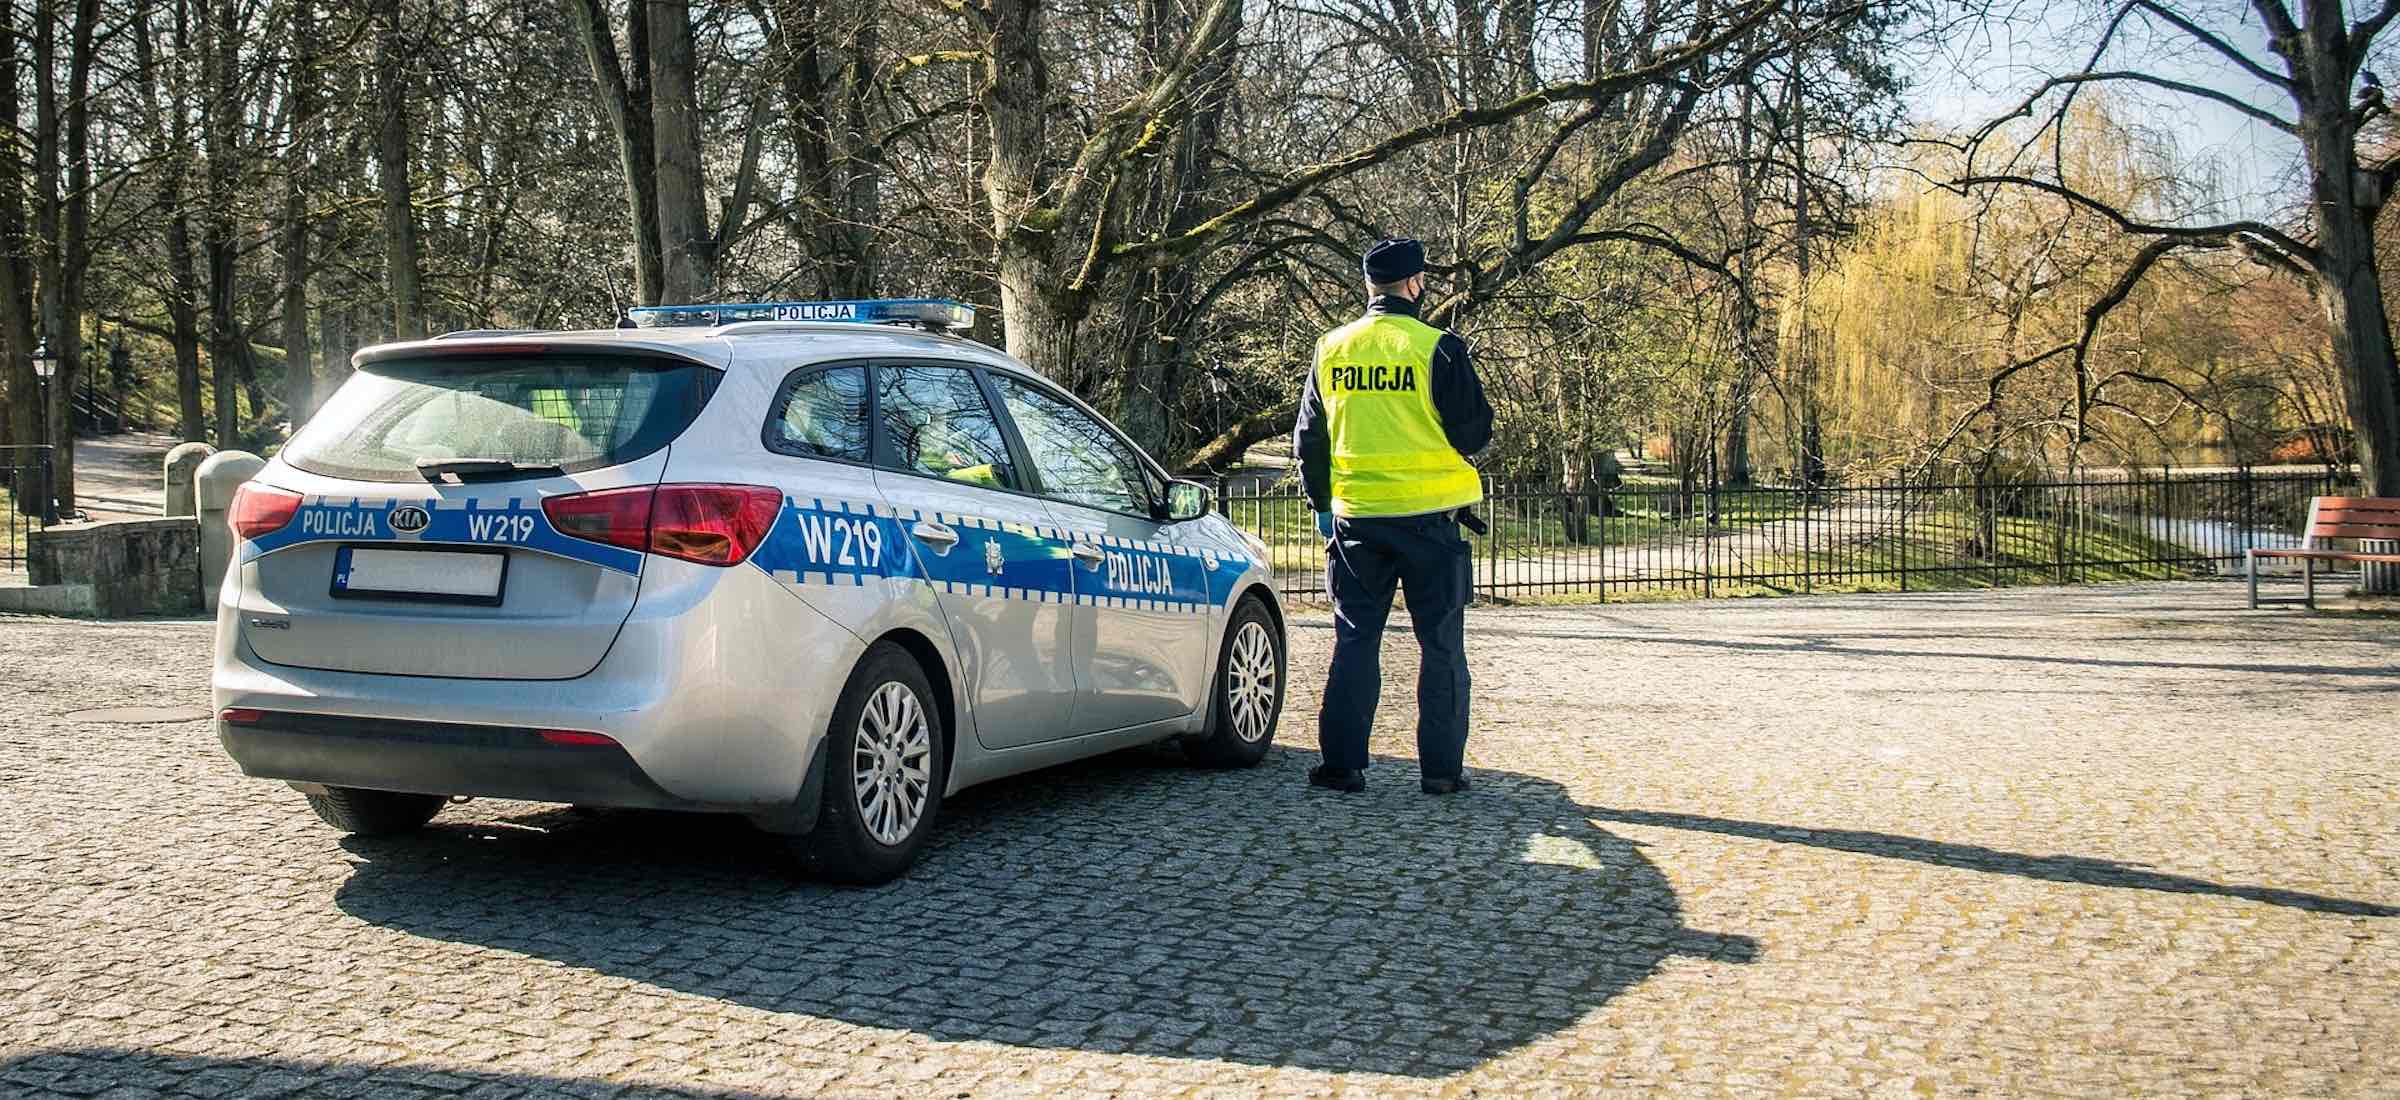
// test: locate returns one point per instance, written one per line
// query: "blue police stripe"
(836, 542)
(469, 522)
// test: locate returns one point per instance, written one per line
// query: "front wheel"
(884, 773)
(1248, 696)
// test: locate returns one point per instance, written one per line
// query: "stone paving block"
(2062, 842)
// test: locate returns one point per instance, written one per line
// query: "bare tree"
(2318, 53)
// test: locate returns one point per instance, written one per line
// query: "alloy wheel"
(1251, 682)
(892, 763)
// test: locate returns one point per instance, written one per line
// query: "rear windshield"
(569, 411)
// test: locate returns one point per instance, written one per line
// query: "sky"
(1987, 68)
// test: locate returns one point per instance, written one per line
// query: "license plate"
(447, 576)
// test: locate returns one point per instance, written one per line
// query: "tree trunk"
(183, 317)
(58, 231)
(75, 249)
(1037, 323)
(686, 250)
(24, 424)
(2349, 285)
(623, 88)
(862, 165)
(400, 263)
(333, 339)
(220, 44)
(299, 382)
(170, 127)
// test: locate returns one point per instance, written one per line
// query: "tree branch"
(1169, 249)
(2025, 109)
(2222, 232)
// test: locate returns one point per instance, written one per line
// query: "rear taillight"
(260, 509)
(240, 716)
(712, 524)
(618, 517)
(709, 524)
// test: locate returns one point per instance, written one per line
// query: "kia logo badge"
(410, 520)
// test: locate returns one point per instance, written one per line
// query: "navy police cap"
(1390, 261)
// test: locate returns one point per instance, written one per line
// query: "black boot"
(1456, 784)
(1345, 780)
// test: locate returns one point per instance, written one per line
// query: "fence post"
(2249, 512)
(1903, 533)
(1708, 538)
(1602, 520)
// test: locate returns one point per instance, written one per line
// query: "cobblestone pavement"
(2046, 841)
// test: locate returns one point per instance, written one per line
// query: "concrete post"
(213, 486)
(181, 464)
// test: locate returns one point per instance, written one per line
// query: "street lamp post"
(45, 364)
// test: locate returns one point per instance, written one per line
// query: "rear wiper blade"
(480, 469)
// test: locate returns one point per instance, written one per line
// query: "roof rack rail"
(931, 314)
(479, 333)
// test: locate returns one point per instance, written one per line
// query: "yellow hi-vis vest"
(1390, 456)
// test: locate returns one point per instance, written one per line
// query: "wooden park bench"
(2332, 519)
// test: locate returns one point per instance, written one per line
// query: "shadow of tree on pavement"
(2076, 869)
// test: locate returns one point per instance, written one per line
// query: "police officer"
(1391, 409)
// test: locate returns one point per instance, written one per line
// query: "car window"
(573, 411)
(935, 421)
(822, 413)
(1079, 459)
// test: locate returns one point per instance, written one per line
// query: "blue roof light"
(929, 313)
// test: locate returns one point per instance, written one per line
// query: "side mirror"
(1186, 500)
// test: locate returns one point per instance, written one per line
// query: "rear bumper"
(440, 758)
(718, 689)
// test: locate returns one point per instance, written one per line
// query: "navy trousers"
(1429, 558)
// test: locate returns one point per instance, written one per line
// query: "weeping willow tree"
(1996, 333)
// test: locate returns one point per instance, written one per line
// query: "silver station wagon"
(818, 564)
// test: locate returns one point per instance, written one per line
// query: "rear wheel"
(375, 813)
(1248, 698)
(884, 773)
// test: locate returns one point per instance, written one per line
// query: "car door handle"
(1088, 553)
(935, 533)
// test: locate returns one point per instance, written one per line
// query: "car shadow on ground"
(1125, 904)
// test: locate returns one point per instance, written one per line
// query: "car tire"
(1246, 697)
(884, 773)
(361, 812)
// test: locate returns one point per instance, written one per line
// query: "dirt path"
(118, 476)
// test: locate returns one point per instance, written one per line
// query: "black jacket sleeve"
(1313, 446)
(1458, 397)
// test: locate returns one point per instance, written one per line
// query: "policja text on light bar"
(930, 313)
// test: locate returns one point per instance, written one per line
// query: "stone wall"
(133, 567)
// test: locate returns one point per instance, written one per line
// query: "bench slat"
(2355, 531)
(2326, 555)
(2357, 515)
(2363, 504)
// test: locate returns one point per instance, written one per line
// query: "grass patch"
(1940, 550)
(1527, 528)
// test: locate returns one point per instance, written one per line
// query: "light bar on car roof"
(930, 313)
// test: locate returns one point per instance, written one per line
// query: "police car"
(819, 564)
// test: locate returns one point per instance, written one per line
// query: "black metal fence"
(25, 500)
(1650, 541)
